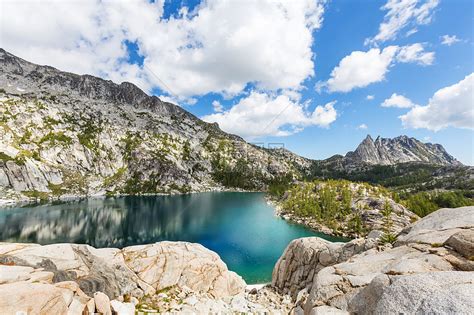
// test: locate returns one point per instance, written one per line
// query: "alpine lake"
(240, 226)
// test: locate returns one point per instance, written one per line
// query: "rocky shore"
(367, 203)
(428, 269)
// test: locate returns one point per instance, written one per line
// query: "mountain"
(402, 149)
(66, 134)
(402, 163)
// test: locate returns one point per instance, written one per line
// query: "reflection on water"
(240, 227)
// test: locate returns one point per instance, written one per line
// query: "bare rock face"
(305, 257)
(450, 292)
(438, 226)
(463, 243)
(31, 298)
(135, 270)
(102, 303)
(182, 264)
(166, 277)
(363, 277)
(374, 281)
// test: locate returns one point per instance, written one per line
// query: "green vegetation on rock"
(423, 203)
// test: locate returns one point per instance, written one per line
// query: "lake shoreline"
(309, 223)
(216, 220)
(7, 203)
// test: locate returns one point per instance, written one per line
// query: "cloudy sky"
(315, 75)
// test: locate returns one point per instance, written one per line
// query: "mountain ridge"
(68, 134)
(401, 149)
(65, 134)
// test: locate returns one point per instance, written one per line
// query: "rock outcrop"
(343, 208)
(162, 277)
(428, 270)
(135, 270)
(167, 264)
(305, 257)
(437, 227)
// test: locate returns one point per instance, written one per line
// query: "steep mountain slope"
(66, 134)
(402, 149)
(402, 163)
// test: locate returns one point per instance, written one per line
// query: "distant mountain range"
(64, 134)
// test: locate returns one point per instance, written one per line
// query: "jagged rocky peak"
(402, 149)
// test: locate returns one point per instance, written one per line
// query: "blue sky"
(297, 73)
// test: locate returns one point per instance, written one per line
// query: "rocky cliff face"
(385, 151)
(65, 134)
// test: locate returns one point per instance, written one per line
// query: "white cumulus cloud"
(415, 53)
(264, 114)
(362, 127)
(362, 68)
(403, 14)
(451, 106)
(397, 100)
(370, 97)
(220, 46)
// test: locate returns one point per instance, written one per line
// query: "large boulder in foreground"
(427, 293)
(182, 264)
(32, 298)
(431, 254)
(135, 270)
(305, 257)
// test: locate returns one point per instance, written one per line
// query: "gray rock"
(327, 310)
(438, 226)
(305, 257)
(462, 242)
(429, 293)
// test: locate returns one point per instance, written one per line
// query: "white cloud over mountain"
(451, 106)
(220, 46)
(403, 14)
(362, 68)
(262, 114)
(398, 101)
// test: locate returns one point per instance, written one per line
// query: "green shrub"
(388, 238)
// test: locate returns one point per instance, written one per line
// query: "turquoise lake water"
(240, 227)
